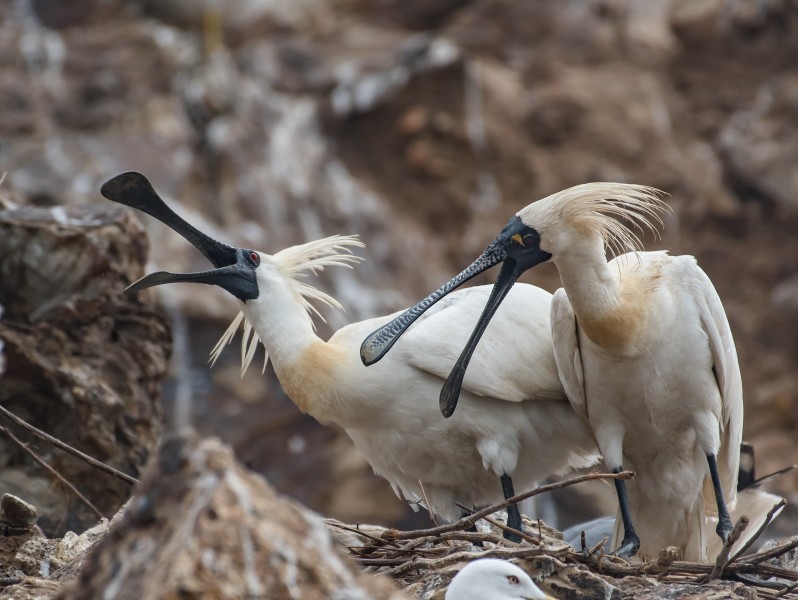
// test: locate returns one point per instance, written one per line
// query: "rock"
(17, 521)
(16, 513)
(649, 589)
(84, 362)
(570, 582)
(759, 153)
(202, 526)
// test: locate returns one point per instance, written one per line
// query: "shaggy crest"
(293, 263)
(613, 210)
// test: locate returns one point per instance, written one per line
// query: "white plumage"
(660, 399)
(646, 356)
(493, 579)
(514, 419)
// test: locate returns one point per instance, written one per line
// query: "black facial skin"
(238, 279)
(235, 270)
(518, 248)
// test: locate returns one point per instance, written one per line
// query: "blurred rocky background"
(422, 126)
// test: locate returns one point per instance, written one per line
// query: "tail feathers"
(754, 503)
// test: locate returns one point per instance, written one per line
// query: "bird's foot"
(629, 546)
(724, 527)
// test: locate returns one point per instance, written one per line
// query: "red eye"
(513, 579)
(255, 257)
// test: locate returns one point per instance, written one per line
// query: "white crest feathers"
(613, 210)
(295, 262)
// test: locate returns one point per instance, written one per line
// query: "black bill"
(518, 247)
(235, 267)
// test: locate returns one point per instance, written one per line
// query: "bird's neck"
(305, 365)
(607, 307)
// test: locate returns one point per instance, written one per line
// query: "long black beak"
(450, 393)
(379, 342)
(235, 270)
(134, 190)
(518, 247)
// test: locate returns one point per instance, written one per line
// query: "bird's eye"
(513, 579)
(255, 257)
(530, 239)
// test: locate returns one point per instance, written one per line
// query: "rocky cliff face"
(421, 126)
(84, 362)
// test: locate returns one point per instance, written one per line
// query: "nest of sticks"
(424, 560)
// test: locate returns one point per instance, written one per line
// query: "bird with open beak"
(514, 425)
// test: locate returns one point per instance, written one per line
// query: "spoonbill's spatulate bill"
(493, 579)
(644, 351)
(514, 425)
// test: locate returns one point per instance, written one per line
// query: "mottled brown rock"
(17, 521)
(16, 513)
(84, 362)
(426, 164)
(758, 149)
(201, 526)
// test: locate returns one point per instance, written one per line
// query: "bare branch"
(67, 448)
(51, 470)
(469, 520)
(768, 519)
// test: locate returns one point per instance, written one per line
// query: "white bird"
(645, 354)
(515, 420)
(493, 579)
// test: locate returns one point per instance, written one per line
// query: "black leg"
(630, 543)
(473, 527)
(724, 520)
(513, 514)
(465, 513)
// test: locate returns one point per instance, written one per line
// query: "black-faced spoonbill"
(514, 420)
(644, 352)
(493, 579)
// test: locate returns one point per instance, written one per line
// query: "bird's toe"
(724, 528)
(629, 547)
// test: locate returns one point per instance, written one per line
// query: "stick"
(773, 474)
(763, 555)
(595, 548)
(67, 448)
(52, 471)
(540, 533)
(786, 590)
(331, 523)
(451, 559)
(759, 531)
(468, 521)
(503, 527)
(723, 555)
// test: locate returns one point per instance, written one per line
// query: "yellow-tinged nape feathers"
(292, 263)
(613, 210)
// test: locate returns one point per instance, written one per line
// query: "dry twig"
(771, 513)
(723, 555)
(67, 448)
(524, 536)
(51, 470)
(469, 520)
